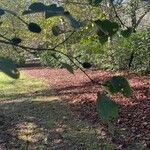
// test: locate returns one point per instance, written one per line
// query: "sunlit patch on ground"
(45, 98)
(30, 132)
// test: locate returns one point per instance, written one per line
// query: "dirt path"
(81, 93)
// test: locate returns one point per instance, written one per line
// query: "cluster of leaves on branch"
(105, 28)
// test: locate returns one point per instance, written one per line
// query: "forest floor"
(60, 113)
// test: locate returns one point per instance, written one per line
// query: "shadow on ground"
(132, 125)
(46, 122)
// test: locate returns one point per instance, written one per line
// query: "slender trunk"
(110, 17)
(64, 34)
(110, 52)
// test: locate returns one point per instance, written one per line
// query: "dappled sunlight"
(45, 98)
(48, 122)
(28, 131)
(25, 84)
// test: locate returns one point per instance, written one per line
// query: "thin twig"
(117, 16)
(14, 14)
(64, 40)
(141, 17)
(2, 36)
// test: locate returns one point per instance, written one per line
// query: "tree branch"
(117, 16)
(52, 50)
(14, 14)
(64, 40)
(141, 17)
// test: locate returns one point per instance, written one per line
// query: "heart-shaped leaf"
(118, 84)
(106, 108)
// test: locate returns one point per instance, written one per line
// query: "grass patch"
(11, 88)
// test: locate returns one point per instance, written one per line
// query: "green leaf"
(54, 56)
(73, 22)
(118, 84)
(95, 2)
(107, 26)
(103, 38)
(35, 8)
(2, 12)
(106, 108)
(126, 33)
(50, 10)
(68, 67)
(53, 10)
(16, 40)
(86, 65)
(33, 27)
(56, 30)
(8, 67)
